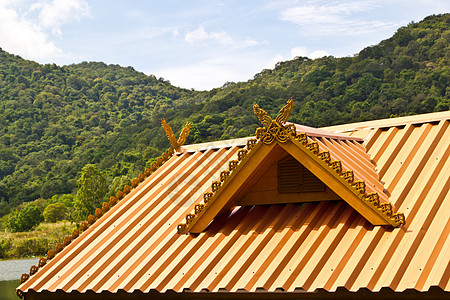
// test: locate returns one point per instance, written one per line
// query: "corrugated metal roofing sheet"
(327, 245)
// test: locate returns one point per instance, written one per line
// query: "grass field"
(33, 243)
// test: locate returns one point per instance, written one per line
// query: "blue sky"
(200, 44)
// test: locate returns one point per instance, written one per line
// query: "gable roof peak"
(273, 136)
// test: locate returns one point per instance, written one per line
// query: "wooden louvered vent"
(289, 179)
(294, 178)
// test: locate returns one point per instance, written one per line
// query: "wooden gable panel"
(267, 189)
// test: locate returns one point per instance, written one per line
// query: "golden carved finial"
(176, 144)
(169, 133)
(184, 134)
(274, 129)
(283, 115)
(262, 115)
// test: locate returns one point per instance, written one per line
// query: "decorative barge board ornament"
(176, 144)
(276, 140)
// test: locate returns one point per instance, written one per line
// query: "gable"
(272, 140)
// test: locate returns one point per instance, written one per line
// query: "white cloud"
(175, 31)
(53, 14)
(145, 33)
(196, 36)
(328, 18)
(200, 35)
(276, 59)
(236, 66)
(23, 37)
(25, 26)
(318, 54)
(324, 12)
(297, 51)
(200, 76)
(214, 72)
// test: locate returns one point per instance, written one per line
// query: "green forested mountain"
(54, 120)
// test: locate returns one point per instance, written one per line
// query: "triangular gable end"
(271, 141)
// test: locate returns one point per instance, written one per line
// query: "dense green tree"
(55, 212)
(66, 199)
(26, 218)
(92, 189)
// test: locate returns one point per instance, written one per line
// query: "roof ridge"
(311, 131)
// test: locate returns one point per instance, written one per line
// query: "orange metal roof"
(327, 245)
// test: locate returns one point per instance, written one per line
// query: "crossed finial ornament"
(176, 144)
(274, 129)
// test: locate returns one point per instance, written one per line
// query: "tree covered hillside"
(54, 120)
(406, 74)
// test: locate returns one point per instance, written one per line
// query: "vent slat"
(288, 176)
(311, 183)
(294, 178)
